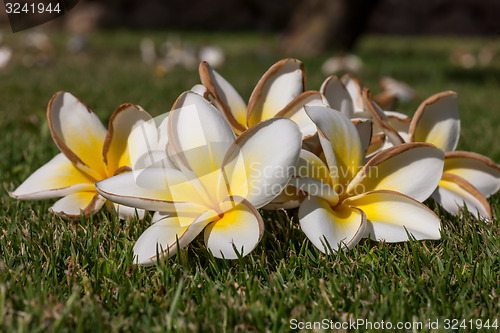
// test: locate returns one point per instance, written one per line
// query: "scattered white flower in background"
(5, 56)
(392, 92)
(467, 59)
(148, 51)
(214, 55)
(175, 52)
(350, 63)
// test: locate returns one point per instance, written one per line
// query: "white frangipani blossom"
(349, 200)
(89, 153)
(218, 186)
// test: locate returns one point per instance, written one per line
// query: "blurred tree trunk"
(320, 25)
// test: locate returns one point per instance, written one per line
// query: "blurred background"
(306, 26)
(147, 52)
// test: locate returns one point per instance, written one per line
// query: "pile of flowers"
(353, 170)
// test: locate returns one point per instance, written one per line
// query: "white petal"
(296, 112)
(147, 144)
(355, 90)
(164, 235)
(78, 132)
(331, 228)
(380, 118)
(240, 229)
(437, 121)
(454, 192)
(154, 189)
(198, 134)
(260, 163)
(480, 171)
(365, 129)
(401, 123)
(200, 89)
(59, 177)
(124, 119)
(343, 137)
(72, 205)
(278, 86)
(311, 166)
(229, 100)
(414, 169)
(391, 215)
(338, 96)
(312, 176)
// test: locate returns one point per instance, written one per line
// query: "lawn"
(58, 275)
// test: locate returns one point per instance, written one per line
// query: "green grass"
(58, 275)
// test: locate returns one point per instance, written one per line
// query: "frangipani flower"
(347, 95)
(221, 182)
(392, 92)
(280, 92)
(89, 153)
(380, 199)
(468, 178)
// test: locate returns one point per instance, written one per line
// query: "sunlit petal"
(240, 229)
(199, 134)
(59, 177)
(115, 151)
(229, 100)
(296, 112)
(331, 228)
(454, 191)
(437, 121)
(72, 205)
(391, 215)
(414, 169)
(78, 133)
(160, 240)
(278, 86)
(201, 90)
(480, 171)
(342, 135)
(260, 163)
(157, 189)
